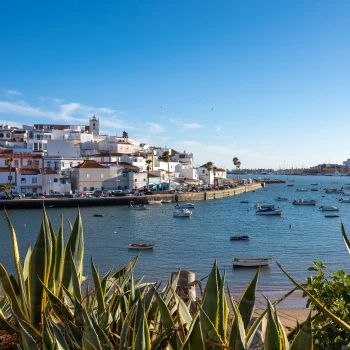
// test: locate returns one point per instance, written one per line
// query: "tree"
(215, 169)
(236, 163)
(9, 163)
(166, 156)
(209, 167)
(125, 135)
(5, 188)
(148, 162)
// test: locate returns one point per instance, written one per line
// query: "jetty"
(66, 202)
(272, 181)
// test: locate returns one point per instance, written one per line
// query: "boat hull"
(251, 262)
(141, 246)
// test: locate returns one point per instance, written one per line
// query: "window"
(102, 176)
(34, 180)
(16, 162)
(62, 164)
(55, 180)
(71, 164)
(36, 162)
(9, 178)
(203, 171)
(144, 179)
(49, 165)
(135, 180)
(88, 176)
(23, 180)
(30, 162)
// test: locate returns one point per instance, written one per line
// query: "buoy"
(290, 226)
(25, 225)
(115, 232)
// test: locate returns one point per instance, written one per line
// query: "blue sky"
(266, 81)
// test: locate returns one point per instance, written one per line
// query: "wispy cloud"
(10, 92)
(193, 126)
(154, 128)
(218, 128)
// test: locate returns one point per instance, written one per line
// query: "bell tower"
(95, 125)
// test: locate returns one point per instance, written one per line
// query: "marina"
(295, 239)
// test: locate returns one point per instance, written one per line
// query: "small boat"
(239, 238)
(302, 190)
(184, 206)
(251, 262)
(342, 200)
(328, 208)
(290, 185)
(264, 205)
(184, 213)
(155, 201)
(137, 207)
(346, 193)
(244, 202)
(332, 216)
(143, 246)
(99, 215)
(304, 201)
(314, 189)
(314, 184)
(166, 201)
(281, 199)
(333, 190)
(269, 211)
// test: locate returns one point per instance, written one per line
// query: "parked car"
(55, 193)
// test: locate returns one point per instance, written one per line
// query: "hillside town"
(55, 159)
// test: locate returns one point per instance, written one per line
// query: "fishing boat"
(328, 208)
(184, 206)
(333, 190)
(251, 262)
(346, 193)
(332, 216)
(136, 207)
(302, 189)
(281, 199)
(239, 238)
(99, 215)
(314, 189)
(314, 184)
(244, 201)
(290, 185)
(269, 211)
(344, 200)
(264, 205)
(184, 213)
(155, 201)
(143, 246)
(304, 201)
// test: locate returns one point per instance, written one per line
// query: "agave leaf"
(130, 266)
(18, 265)
(183, 310)
(272, 338)
(7, 325)
(142, 340)
(48, 340)
(52, 258)
(303, 340)
(336, 319)
(38, 271)
(75, 245)
(126, 327)
(164, 311)
(102, 336)
(194, 339)
(26, 264)
(75, 281)
(132, 289)
(15, 286)
(223, 310)
(61, 343)
(281, 331)
(90, 334)
(237, 338)
(59, 253)
(76, 333)
(345, 238)
(160, 338)
(246, 305)
(28, 341)
(211, 295)
(208, 328)
(98, 289)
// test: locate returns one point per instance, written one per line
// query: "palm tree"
(236, 161)
(209, 167)
(5, 188)
(148, 162)
(9, 163)
(238, 165)
(166, 156)
(215, 169)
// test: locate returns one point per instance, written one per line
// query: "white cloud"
(22, 108)
(189, 143)
(107, 110)
(175, 121)
(193, 126)
(218, 128)
(12, 92)
(154, 128)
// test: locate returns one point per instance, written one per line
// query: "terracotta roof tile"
(20, 155)
(88, 164)
(28, 171)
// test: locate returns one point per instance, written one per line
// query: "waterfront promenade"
(65, 202)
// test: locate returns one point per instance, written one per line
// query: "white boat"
(281, 199)
(290, 185)
(184, 206)
(137, 207)
(155, 201)
(269, 211)
(346, 193)
(184, 213)
(302, 190)
(264, 205)
(143, 246)
(333, 190)
(251, 262)
(166, 201)
(304, 201)
(314, 184)
(328, 208)
(342, 200)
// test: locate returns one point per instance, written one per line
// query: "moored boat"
(137, 207)
(269, 211)
(99, 215)
(281, 199)
(304, 201)
(344, 200)
(251, 262)
(155, 201)
(142, 246)
(332, 216)
(166, 201)
(264, 205)
(314, 184)
(184, 206)
(328, 208)
(314, 189)
(302, 189)
(290, 185)
(184, 213)
(244, 202)
(239, 238)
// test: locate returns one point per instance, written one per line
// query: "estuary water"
(297, 238)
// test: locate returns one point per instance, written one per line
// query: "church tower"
(95, 125)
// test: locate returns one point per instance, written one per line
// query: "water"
(194, 243)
